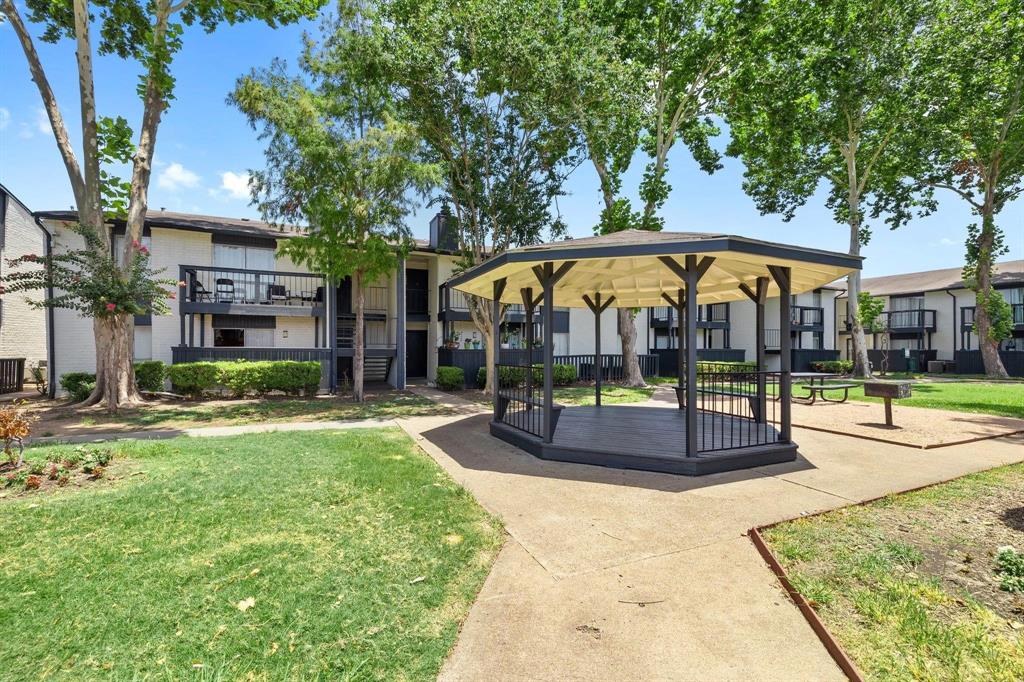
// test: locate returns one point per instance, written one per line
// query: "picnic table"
(816, 387)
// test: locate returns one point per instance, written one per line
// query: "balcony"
(378, 336)
(709, 316)
(897, 321)
(238, 291)
(453, 304)
(967, 316)
(807, 318)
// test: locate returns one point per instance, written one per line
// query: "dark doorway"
(415, 353)
(416, 297)
(345, 296)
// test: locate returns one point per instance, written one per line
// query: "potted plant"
(505, 338)
(452, 342)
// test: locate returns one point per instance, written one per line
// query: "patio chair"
(200, 293)
(277, 293)
(225, 290)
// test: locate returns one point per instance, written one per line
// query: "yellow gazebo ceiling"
(628, 265)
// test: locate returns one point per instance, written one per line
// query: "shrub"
(724, 367)
(1010, 569)
(450, 378)
(149, 375)
(564, 375)
(78, 384)
(242, 378)
(481, 377)
(833, 366)
(15, 426)
(32, 482)
(193, 378)
(291, 377)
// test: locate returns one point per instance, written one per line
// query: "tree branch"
(60, 131)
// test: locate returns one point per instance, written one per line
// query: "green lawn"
(1004, 399)
(909, 585)
(169, 415)
(359, 555)
(610, 395)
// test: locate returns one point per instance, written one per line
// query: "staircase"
(376, 369)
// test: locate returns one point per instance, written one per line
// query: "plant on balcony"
(149, 33)
(338, 158)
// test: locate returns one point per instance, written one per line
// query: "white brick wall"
(22, 326)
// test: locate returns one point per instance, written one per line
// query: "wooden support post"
(680, 309)
(499, 289)
(691, 355)
(549, 351)
(782, 277)
(759, 295)
(528, 305)
(597, 308)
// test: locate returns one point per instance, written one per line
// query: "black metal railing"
(1016, 315)
(908, 319)
(521, 397)
(611, 365)
(710, 312)
(376, 333)
(807, 316)
(738, 410)
(205, 284)
(12, 375)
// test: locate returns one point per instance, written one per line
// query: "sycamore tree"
(644, 76)
(972, 135)
(824, 95)
(477, 78)
(338, 159)
(150, 33)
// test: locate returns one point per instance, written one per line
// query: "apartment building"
(24, 328)
(930, 316)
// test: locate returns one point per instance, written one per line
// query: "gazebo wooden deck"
(725, 420)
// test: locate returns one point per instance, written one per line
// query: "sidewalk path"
(620, 575)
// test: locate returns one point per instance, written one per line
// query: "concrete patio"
(613, 574)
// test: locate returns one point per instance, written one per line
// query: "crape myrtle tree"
(972, 136)
(151, 34)
(338, 159)
(478, 79)
(645, 76)
(824, 94)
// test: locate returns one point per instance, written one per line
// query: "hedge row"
(833, 366)
(513, 377)
(722, 366)
(243, 378)
(149, 376)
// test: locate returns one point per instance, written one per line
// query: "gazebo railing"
(521, 397)
(738, 409)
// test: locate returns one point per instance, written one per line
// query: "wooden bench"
(750, 397)
(818, 390)
(505, 397)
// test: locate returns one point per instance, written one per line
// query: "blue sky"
(205, 147)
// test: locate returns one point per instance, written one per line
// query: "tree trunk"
(359, 345)
(631, 375)
(861, 364)
(480, 311)
(987, 343)
(115, 373)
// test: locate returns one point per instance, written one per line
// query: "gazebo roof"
(629, 265)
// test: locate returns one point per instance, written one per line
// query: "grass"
(224, 413)
(610, 395)
(888, 580)
(1003, 399)
(361, 558)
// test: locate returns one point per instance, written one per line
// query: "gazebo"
(726, 419)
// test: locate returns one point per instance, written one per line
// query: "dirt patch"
(914, 426)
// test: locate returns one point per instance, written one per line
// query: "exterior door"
(415, 353)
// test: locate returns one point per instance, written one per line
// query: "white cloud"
(235, 185)
(946, 241)
(5, 118)
(43, 122)
(176, 177)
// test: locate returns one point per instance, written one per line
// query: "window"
(229, 338)
(231, 257)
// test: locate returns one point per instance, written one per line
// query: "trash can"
(912, 365)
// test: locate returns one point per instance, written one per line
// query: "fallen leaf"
(417, 579)
(246, 604)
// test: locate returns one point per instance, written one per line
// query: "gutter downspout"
(953, 296)
(51, 356)
(835, 318)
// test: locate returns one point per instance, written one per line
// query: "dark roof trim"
(21, 203)
(665, 248)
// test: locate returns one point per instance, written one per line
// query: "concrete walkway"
(618, 575)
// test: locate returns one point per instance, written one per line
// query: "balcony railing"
(1016, 315)
(714, 313)
(807, 316)
(417, 301)
(239, 286)
(897, 320)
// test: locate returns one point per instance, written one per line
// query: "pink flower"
(181, 283)
(111, 307)
(31, 257)
(143, 250)
(170, 295)
(135, 243)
